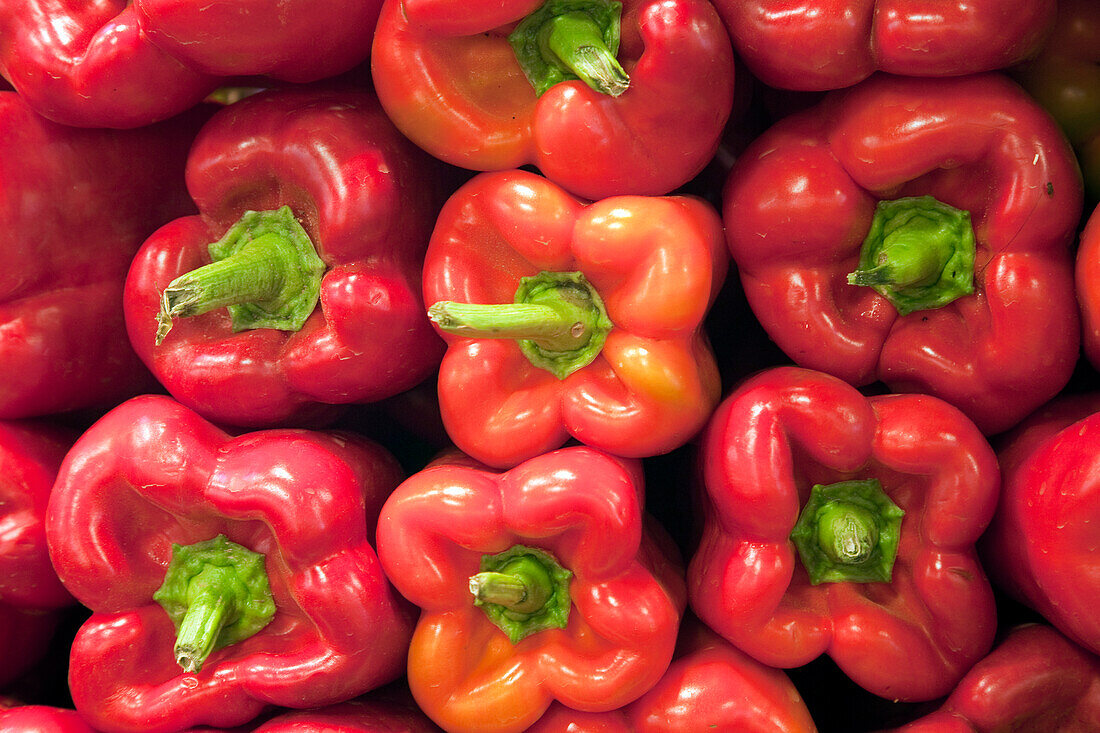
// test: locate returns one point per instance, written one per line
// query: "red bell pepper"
(76, 205)
(320, 187)
(1087, 277)
(845, 525)
(119, 63)
(1040, 544)
(830, 44)
(917, 232)
(356, 716)
(545, 582)
(1065, 78)
(570, 320)
(709, 686)
(1035, 680)
(42, 719)
(224, 574)
(604, 97)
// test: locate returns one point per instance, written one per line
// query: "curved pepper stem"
(558, 320)
(572, 39)
(216, 593)
(522, 590)
(265, 270)
(919, 254)
(848, 531)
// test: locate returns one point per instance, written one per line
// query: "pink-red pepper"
(604, 97)
(1040, 544)
(356, 716)
(42, 719)
(118, 63)
(1035, 680)
(845, 525)
(545, 582)
(225, 574)
(76, 205)
(829, 44)
(572, 320)
(317, 187)
(917, 232)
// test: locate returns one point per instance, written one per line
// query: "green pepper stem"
(199, 630)
(846, 532)
(523, 590)
(265, 270)
(575, 41)
(558, 328)
(522, 585)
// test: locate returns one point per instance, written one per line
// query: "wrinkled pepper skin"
(657, 263)
(625, 597)
(122, 63)
(1035, 680)
(831, 44)
(800, 201)
(1039, 544)
(787, 428)
(151, 473)
(75, 205)
(450, 81)
(1087, 277)
(1065, 78)
(365, 197)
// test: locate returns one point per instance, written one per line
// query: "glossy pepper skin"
(42, 719)
(152, 473)
(625, 596)
(365, 199)
(1039, 543)
(75, 205)
(1087, 281)
(118, 63)
(710, 685)
(657, 264)
(450, 81)
(830, 44)
(786, 429)
(1035, 680)
(801, 200)
(356, 716)
(1065, 78)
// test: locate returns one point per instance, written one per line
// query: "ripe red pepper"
(356, 716)
(123, 63)
(1041, 537)
(76, 205)
(1087, 278)
(256, 549)
(1035, 680)
(1065, 78)
(545, 582)
(917, 232)
(320, 187)
(571, 320)
(830, 44)
(657, 87)
(844, 525)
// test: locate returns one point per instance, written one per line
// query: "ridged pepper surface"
(845, 525)
(225, 574)
(916, 232)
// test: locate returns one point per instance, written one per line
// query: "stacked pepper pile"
(566, 365)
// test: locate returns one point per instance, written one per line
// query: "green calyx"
(848, 531)
(572, 39)
(919, 254)
(522, 590)
(265, 270)
(558, 320)
(216, 592)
